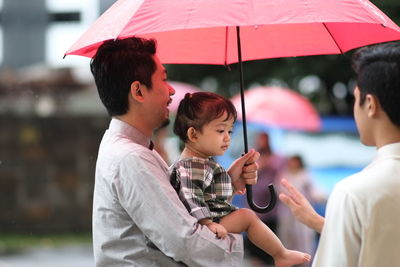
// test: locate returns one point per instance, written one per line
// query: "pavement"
(65, 256)
(74, 256)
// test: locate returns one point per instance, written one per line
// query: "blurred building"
(40, 31)
(51, 120)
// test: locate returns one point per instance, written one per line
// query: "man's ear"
(192, 134)
(372, 105)
(137, 91)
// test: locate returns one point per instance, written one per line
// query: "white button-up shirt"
(362, 226)
(138, 219)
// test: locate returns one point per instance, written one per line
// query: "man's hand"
(218, 229)
(301, 207)
(244, 171)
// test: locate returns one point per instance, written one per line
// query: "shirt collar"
(134, 134)
(390, 150)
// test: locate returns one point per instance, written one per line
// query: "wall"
(47, 172)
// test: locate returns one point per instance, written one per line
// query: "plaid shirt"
(203, 186)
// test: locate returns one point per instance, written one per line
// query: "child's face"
(215, 137)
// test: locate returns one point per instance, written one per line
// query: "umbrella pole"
(249, 190)
(246, 146)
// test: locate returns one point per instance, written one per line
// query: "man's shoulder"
(118, 152)
(119, 144)
(355, 183)
(373, 179)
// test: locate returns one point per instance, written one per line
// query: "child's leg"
(245, 220)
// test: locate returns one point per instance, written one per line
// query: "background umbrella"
(180, 91)
(209, 31)
(279, 107)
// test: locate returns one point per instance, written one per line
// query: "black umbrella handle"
(254, 206)
(249, 189)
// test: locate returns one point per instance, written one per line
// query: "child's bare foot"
(290, 257)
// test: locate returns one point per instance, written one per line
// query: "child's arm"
(189, 183)
(216, 228)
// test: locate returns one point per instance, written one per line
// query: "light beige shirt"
(362, 226)
(138, 219)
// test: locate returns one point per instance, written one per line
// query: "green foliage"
(14, 243)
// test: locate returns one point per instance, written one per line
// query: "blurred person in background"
(270, 168)
(293, 233)
(361, 227)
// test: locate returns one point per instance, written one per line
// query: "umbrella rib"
(330, 34)
(127, 22)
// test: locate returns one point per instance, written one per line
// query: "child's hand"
(240, 192)
(218, 229)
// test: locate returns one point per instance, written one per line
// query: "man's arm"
(154, 206)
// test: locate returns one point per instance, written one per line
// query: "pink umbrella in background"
(279, 107)
(226, 31)
(180, 91)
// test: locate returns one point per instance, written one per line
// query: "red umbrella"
(204, 31)
(210, 31)
(279, 107)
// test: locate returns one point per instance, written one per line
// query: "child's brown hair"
(200, 108)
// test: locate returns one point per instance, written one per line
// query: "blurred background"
(51, 123)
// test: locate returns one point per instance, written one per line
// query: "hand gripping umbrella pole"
(249, 190)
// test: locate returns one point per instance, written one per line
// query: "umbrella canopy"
(279, 107)
(180, 91)
(203, 31)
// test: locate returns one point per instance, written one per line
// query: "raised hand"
(301, 207)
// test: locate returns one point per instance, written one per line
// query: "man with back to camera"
(138, 219)
(362, 221)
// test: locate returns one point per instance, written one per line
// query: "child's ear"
(191, 134)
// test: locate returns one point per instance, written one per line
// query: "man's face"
(362, 120)
(159, 95)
